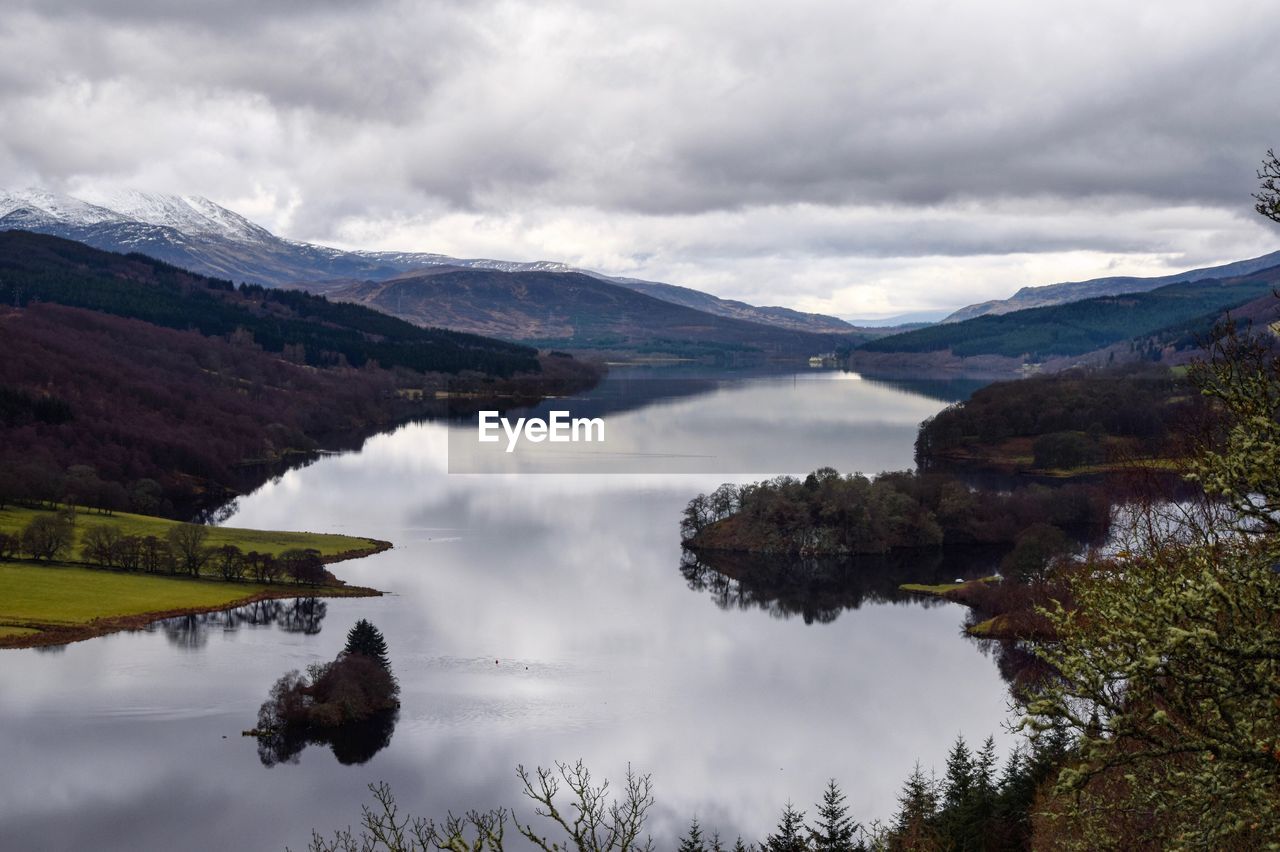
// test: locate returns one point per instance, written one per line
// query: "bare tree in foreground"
(592, 820)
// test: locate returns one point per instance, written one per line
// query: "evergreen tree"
(984, 770)
(739, 846)
(957, 787)
(790, 833)
(834, 831)
(692, 842)
(977, 828)
(1017, 794)
(917, 807)
(366, 639)
(716, 845)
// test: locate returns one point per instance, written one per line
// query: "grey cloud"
(831, 104)
(959, 130)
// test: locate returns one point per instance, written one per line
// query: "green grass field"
(14, 518)
(43, 603)
(33, 593)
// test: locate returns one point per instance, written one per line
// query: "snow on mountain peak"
(189, 214)
(53, 207)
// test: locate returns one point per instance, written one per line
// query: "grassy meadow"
(14, 518)
(53, 603)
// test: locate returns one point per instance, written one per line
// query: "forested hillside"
(127, 383)
(39, 268)
(1074, 329)
(1064, 421)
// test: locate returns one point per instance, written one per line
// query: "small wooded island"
(350, 703)
(827, 514)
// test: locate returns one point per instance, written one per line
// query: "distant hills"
(576, 311)
(197, 234)
(1143, 322)
(1075, 291)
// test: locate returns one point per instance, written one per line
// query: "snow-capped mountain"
(201, 235)
(191, 214)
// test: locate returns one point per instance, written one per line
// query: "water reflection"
(352, 744)
(818, 590)
(191, 632)
(569, 582)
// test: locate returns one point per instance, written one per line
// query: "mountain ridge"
(1066, 292)
(198, 234)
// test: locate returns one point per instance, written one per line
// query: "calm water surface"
(530, 618)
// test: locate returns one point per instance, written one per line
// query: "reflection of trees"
(303, 616)
(191, 632)
(818, 590)
(352, 743)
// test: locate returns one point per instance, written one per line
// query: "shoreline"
(48, 634)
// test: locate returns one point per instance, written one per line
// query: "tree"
(835, 830)
(913, 827)
(10, 545)
(1268, 197)
(47, 537)
(592, 821)
(99, 542)
(957, 785)
(230, 562)
(128, 553)
(187, 544)
(1169, 660)
(1033, 553)
(368, 640)
(156, 556)
(789, 836)
(303, 566)
(984, 772)
(692, 842)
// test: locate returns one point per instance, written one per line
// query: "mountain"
(129, 383)
(197, 234)
(297, 325)
(574, 311)
(1076, 328)
(1075, 291)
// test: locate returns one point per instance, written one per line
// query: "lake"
(531, 617)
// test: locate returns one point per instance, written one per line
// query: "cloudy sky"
(857, 158)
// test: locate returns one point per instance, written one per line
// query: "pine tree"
(984, 770)
(716, 845)
(739, 846)
(692, 842)
(790, 836)
(917, 807)
(957, 787)
(834, 831)
(366, 639)
(980, 812)
(1017, 793)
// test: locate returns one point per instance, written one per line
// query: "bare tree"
(593, 822)
(1268, 196)
(99, 543)
(47, 537)
(187, 542)
(231, 562)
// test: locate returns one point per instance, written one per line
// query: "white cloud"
(823, 154)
